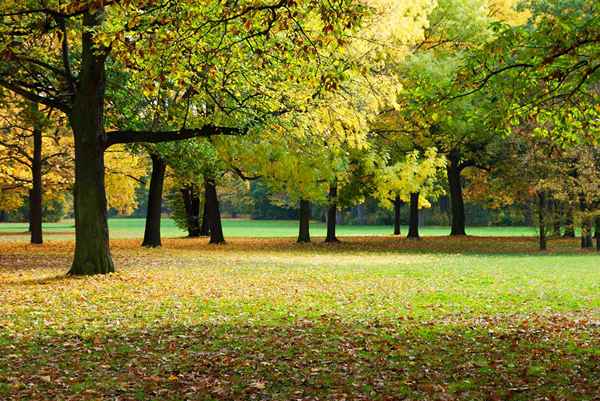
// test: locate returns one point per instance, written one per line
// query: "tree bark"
(413, 222)
(35, 195)
(191, 204)
(397, 209)
(332, 214)
(213, 212)
(92, 253)
(541, 221)
(304, 217)
(457, 205)
(152, 232)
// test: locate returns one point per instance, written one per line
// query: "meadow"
(372, 318)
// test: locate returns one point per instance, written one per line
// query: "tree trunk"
(586, 233)
(457, 205)
(397, 209)
(586, 225)
(304, 229)
(204, 228)
(213, 212)
(542, 221)
(35, 195)
(332, 214)
(556, 213)
(597, 232)
(152, 231)
(92, 253)
(569, 223)
(413, 222)
(191, 203)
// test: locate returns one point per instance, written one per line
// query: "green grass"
(134, 228)
(372, 318)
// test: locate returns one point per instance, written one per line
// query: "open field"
(134, 228)
(374, 318)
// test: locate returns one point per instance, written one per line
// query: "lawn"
(373, 318)
(134, 228)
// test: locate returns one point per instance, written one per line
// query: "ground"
(373, 318)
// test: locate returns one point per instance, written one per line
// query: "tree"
(58, 54)
(27, 169)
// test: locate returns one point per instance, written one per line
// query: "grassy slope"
(372, 318)
(134, 228)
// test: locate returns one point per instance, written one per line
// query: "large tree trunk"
(304, 226)
(213, 213)
(332, 214)
(457, 205)
(542, 220)
(397, 209)
(413, 221)
(35, 195)
(191, 204)
(92, 253)
(152, 231)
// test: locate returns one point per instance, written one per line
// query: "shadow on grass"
(551, 358)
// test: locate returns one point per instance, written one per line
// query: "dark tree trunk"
(586, 233)
(204, 228)
(304, 216)
(35, 195)
(586, 226)
(413, 221)
(191, 204)
(152, 231)
(332, 214)
(457, 205)
(213, 212)
(92, 253)
(597, 232)
(556, 213)
(397, 209)
(542, 220)
(569, 223)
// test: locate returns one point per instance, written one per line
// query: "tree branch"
(116, 137)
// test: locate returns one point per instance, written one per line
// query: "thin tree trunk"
(457, 205)
(213, 212)
(556, 213)
(569, 222)
(191, 203)
(586, 226)
(92, 252)
(304, 217)
(413, 222)
(331, 213)
(597, 232)
(35, 195)
(204, 228)
(397, 209)
(542, 221)
(152, 232)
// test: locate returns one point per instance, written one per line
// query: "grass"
(134, 228)
(373, 318)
